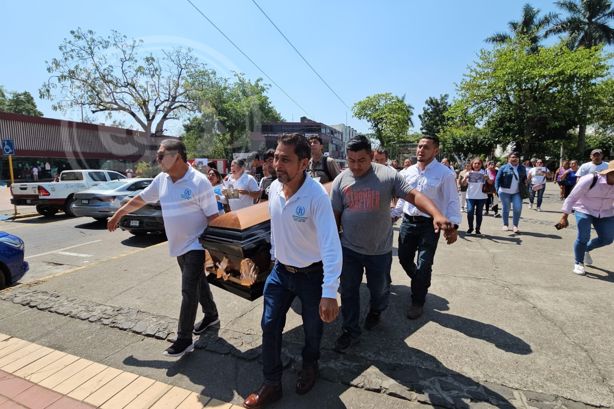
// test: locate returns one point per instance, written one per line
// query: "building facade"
(54, 145)
(348, 133)
(266, 138)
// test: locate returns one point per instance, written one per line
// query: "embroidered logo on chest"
(187, 194)
(299, 214)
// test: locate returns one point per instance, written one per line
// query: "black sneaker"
(469, 231)
(179, 348)
(206, 323)
(478, 232)
(345, 341)
(372, 320)
(415, 312)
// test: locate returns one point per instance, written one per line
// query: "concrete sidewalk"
(36, 377)
(7, 210)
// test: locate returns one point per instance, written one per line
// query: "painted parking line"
(60, 250)
(68, 253)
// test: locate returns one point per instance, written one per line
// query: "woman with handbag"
(511, 185)
(537, 181)
(491, 200)
(475, 180)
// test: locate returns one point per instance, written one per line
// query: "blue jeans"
(194, 290)
(280, 289)
(605, 234)
(377, 269)
(540, 195)
(516, 201)
(475, 206)
(418, 237)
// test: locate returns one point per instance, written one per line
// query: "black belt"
(312, 268)
(417, 219)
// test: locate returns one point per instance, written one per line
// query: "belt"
(417, 219)
(312, 268)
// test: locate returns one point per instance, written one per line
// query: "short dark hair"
(301, 146)
(516, 154)
(257, 156)
(270, 153)
(359, 143)
(217, 174)
(312, 137)
(240, 162)
(175, 145)
(382, 151)
(431, 138)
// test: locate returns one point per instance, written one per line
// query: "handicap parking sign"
(8, 147)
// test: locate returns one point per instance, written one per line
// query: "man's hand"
(564, 222)
(442, 223)
(113, 222)
(329, 309)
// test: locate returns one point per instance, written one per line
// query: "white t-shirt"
(186, 205)
(245, 182)
(475, 181)
(538, 175)
(590, 167)
(304, 231)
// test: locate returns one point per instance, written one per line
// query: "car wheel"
(67, 206)
(46, 211)
(138, 232)
(101, 219)
(3, 277)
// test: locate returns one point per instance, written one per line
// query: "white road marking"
(67, 253)
(65, 248)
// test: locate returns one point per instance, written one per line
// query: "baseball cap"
(594, 151)
(609, 169)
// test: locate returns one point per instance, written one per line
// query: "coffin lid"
(248, 216)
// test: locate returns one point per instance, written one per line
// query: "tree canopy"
(587, 22)
(530, 97)
(433, 118)
(113, 74)
(18, 103)
(388, 115)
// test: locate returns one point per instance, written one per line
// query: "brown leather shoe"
(266, 394)
(306, 379)
(415, 312)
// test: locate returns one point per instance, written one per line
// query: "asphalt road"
(60, 244)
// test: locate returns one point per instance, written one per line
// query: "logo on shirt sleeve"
(299, 214)
(187, 194)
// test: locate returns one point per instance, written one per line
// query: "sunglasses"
(161, 155)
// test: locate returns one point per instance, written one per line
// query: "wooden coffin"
(238, 245)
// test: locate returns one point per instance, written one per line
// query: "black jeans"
(194, 289)
(418, 237)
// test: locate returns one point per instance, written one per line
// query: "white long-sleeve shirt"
(304, 231)
(437, 182)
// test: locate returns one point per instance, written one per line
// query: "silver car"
(101, 201)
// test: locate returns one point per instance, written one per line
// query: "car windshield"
(110, 185)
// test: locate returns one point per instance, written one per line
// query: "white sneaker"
(539, 209)
(515, 229)
(579, 269)
(588, 260)
(530, 205)
(505, 228)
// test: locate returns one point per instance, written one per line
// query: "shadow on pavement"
(383, 349)
(540, 235)
(499, 239)
(93, 225)
(144, 240)
(42, 219)
(608, 277)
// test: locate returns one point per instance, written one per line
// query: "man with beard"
(417, 235)
(188, 204)
(307, 252)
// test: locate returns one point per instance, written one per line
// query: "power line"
(300, 55)
(247, 56)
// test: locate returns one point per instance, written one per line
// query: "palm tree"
(531, 26)
(587, 22)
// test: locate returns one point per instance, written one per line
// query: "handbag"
(488, 188)
(523, 189)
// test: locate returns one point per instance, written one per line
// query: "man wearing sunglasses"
(188, 204)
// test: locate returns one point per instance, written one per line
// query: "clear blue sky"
(414, 48)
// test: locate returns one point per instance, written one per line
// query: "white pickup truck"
(51, 197)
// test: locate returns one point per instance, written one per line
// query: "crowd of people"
(318, 243)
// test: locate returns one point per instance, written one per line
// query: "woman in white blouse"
(240, 182)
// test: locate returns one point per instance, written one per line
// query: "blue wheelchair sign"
(8, 147)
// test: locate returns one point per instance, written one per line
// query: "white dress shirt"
(304, 231)
(436, 181)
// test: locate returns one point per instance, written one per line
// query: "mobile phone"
(558, 226)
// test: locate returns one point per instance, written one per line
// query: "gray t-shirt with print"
(364, 204)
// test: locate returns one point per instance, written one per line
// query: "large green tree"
(587, 23)
(115, 75)
(230, 109)
(531, 26)
(433, 118)
(528, 98)
(18, 103)
(388, 115)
